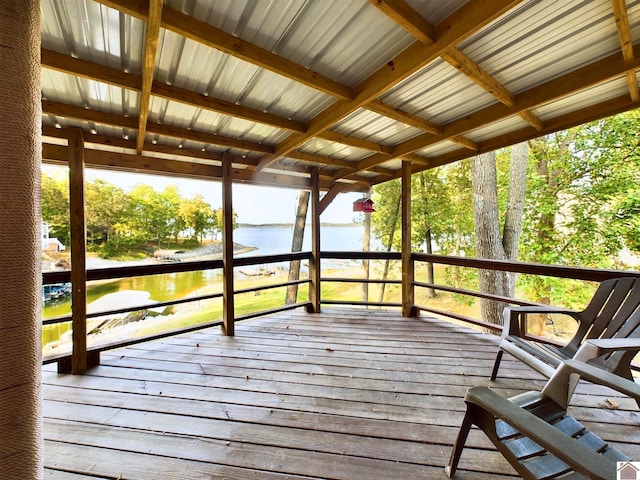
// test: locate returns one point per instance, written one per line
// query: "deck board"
(346, 394)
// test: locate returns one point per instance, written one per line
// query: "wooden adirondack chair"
(533, 430)
(612, 313)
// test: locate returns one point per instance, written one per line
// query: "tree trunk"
(296, 245)
(489, 243)
(431, 293)
(366, 246)
(487, 229)
(515, 208)
(392, 233)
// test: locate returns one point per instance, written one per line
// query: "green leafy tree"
(105, 207)
(55, 207)
(582, 209)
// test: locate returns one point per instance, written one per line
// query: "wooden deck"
(346, 394)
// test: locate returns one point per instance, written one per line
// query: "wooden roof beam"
(584, 77)
(206, 34)
(100, 73)
(468, 19)
(86, 69)
(106, 118)
(403, 14)
(148, 64)
(70, 111)
(626, 44)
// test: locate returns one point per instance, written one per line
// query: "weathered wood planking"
(351, 394)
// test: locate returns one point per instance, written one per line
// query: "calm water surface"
(267, 240)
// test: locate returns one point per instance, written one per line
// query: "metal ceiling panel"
(516, 48)
(440, 148)
(110, 38)
(586, 98)
(196, 67)
(492, 130)
(323, 36)
(325, 148)
(438, 93)
(368, 125)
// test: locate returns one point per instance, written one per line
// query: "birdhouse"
(364, 205)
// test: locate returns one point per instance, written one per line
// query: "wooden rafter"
(85, 69)
(216, 156)
(624, 35)
(410, 19)
(403, 14)
(123, 161)
(462, 23)
(589, 114)
(584, 77)
(64, 110)
(105, 118)
(206, 34)
(148, 64)
(100, 73)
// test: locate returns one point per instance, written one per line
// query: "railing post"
(314, 264)
(228, 309)
(408, 309)
(79, 363)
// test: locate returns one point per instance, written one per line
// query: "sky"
(253, 204)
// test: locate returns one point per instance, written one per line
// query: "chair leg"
(451, 468)
(496, 365)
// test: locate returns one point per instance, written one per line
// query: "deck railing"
(49, 278)
(418, 260)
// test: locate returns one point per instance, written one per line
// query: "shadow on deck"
(346, 394)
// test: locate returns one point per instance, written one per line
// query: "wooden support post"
(228, 310)
(296, 245)
(78, 253)
(407, 264)
(21, 438)
(314, 264)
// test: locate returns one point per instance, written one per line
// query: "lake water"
(267, 240)
(274, 240)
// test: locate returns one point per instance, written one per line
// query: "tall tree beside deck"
(583, 203)
(490, 242)
(386, 223)
(296, 244)
(428, 212)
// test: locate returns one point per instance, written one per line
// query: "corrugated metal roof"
(334, 45)
(515, 49)
(438, 93)
(598, 94)
(371, 126)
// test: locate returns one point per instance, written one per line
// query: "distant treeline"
(117, 220)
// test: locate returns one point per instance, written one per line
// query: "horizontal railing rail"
(168, 268)
(361, 256)
(576, 273)
(556, 271)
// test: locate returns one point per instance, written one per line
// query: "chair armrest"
(602, 377)
(515, 317)
(566, 448)
(606, 344)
